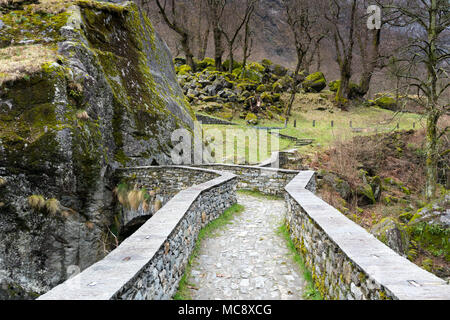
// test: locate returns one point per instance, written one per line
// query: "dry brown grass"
(53, 206)
(90, 225)
(82, 115)
(18, 61)
(157, 205)
(135, 198)
(36, 202)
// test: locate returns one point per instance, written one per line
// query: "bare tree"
(248, 45)
(341, 18)
(235, 26)
(216, 9)
(427, 24)
(203, 28)
(174, 20)
(303, 20)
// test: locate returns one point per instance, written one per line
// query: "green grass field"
(364, 121)
(241, 144)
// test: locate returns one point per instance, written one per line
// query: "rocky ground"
(252, 93)
(255, 92)
(248, 259)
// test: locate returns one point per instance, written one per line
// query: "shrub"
(157, 205)
(267, 97)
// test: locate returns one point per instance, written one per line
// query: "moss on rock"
(386, 102)
(315, 82)
(251, 118)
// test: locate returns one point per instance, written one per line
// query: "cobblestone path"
(248, 259)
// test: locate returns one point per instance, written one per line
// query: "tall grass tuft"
(36, 202)
(53, 206)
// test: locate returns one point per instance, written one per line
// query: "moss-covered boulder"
(251, 75)
(315, 82)
(183, 70)
(277, 70)
(334, 85)
(339, 185)
(277, 86)
(255, 66)
(355, 90)
(266, 62)
(205, 63)
(386, 102)
(251, 118)
(261, 88)
(393, 234)
(93, 89)
(226, 65)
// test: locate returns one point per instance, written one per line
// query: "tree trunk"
(204, 44)
(433, 111)
(345, 61)
(230, 67)
(432, 154)
(369, 69)
(218, 48)
(319, 58)
(188, 52)
(344, 88)
(294, 85)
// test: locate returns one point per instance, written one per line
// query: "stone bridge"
(346, 261)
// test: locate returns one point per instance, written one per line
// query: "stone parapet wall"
(265, 180)
(346, 261)
(150, 263)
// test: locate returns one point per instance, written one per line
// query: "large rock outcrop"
(85, 87)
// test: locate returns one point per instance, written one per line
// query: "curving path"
(248, 259)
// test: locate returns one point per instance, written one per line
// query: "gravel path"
(248, 259)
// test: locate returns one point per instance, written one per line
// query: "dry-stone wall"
(150, 263)
(346, 261)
